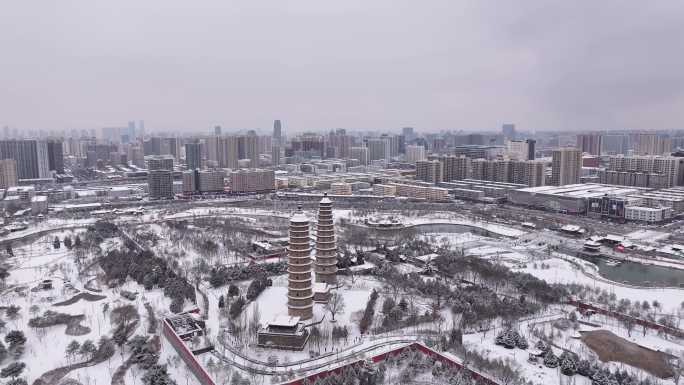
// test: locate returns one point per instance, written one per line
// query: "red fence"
(187, 356)
(583, 307)
(417, 346)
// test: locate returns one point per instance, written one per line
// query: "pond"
(638, 274)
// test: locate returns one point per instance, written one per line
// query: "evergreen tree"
(67, 242)
(56, 243)
(77, 241)
(157, 375)
(550, 359)
(15, 338)
(521, 342)
(72, 348)
(221, 302)
(584, 368)
(12, 370)
(17, 381)
(233, 291)
(87, 349)
(403, 305)
(568, 365)
(3, 352)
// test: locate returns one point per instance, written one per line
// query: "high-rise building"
(529, 172)
(566, 166)
(590, 143)
(217, 130)
(299, 287)
(326, 247)
(652, 144)
(203, 181)
(159, 162)
(415, 153)
(644, 171)
(55, 156)
(508, 131)
(252, 181)
(379, 149)
(224, 151)
(531, 149)
(136, 156)
(8, 173)
(455, 167)
(339, 144)
(193, 156)
(153, 146)
(277, 133)
(160, 184)
(248, 148)
(615, 144)
(517, 149)
(31, 157)
(407, 132)
(275, 156)
(361, 154)
(429, 171)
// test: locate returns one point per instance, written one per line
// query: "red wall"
(187, 356)
(582, 307)
(419, 347)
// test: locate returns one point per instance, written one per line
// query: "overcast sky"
(435, 64)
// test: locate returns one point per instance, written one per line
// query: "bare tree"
(335, 304)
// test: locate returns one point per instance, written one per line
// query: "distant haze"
(317, 64)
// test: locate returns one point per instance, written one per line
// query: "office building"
(277, 133)
(252, 181)
(217, 130)
(160, 184)
(590, 143)
(31, 157)
(407, 133)
(429, 171)
(566, 166)
(275, 155)
(55, 156)
(415, 153)
(8, 173)
(193, 156)
(508, 131)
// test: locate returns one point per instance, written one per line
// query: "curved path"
(255, 366)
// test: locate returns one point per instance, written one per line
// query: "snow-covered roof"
(284, 320)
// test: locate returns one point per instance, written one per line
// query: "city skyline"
(453, 65)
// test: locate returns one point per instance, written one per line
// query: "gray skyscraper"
(31, 157)
(193, 156)
(277, 132)
(217, 130)
(508, 130)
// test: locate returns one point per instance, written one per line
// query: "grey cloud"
(320, 64)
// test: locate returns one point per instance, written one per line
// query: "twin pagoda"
(300, 289)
